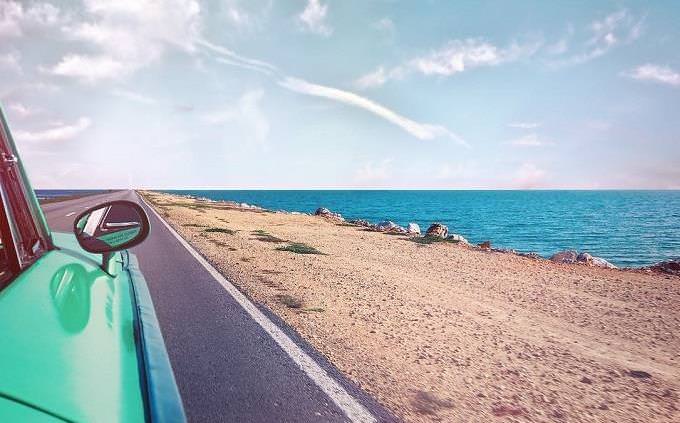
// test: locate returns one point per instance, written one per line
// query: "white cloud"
(655, 73)
(16, 17)
(529, 140)
(134, 96)
(421, 131)
(615, 29)
(229, 57)
(246, 15)
(313, 18)
(246, 112)
(458, 56)
(90, 69)
(455, 57)
(373, 79)
(385, 25)
(529, 176)
(374, 172)
(128, 35)
(524, 125)
(20, 110)
(10, 61)
(58, 133)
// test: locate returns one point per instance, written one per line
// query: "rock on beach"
(671, 267)
(324, 212)
(437, 230)
(413, 228)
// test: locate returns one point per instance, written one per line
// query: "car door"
(67, 327)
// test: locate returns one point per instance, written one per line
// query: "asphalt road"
(227, 366)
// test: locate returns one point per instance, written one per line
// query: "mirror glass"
(111, 226)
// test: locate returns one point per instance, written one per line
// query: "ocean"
(627, 228)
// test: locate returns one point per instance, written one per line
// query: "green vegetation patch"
(315, 310)
(265, 236)
(427, 239)
(299, 248)
(220, 230)
(194, 225)
(290, 301)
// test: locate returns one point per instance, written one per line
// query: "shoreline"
(574, 257)
(443, 332)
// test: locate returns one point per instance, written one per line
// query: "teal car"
(79, 338)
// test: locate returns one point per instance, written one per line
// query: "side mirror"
(111, 226)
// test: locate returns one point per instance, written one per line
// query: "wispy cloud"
(247, 112)
(528, 176)
(373, 79)
(229, 57)
(374, 171)
(419, 130)
(20, 110)
(529, 140)
(615, 29)
(57, 133)
(246, 15)
(455, 57)
(385, 25)
(561, 46)
(655, 73)
(90, 69)
(134, 96)
(313, 18)
(10, 61)
(524, 125)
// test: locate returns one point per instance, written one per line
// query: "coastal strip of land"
(448, 332)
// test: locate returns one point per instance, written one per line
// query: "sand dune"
(444, 332)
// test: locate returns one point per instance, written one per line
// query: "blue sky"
(343, 94)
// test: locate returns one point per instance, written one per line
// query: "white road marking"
(347, 403)
(70, 214)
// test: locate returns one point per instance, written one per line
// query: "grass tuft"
(290, 301)
(220, 230)
(299, 248)
(265, 236)
(427, 239)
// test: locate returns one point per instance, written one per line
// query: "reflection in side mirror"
(111, 226)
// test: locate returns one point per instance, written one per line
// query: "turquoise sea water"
(628, 228)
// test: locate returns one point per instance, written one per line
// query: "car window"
(5, 245)
(29, 242)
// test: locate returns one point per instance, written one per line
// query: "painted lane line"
(354, 411)
(70, 214)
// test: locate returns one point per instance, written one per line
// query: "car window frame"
(8, 242)
(17, 196)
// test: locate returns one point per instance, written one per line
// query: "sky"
(325, 94)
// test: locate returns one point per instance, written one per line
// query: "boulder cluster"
(440, 231)
(324, 212)
(671, 267)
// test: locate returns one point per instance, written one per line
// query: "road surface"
(227, 364)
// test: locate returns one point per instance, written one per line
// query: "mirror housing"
(111, 226)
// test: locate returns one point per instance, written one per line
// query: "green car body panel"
(68, 338)
(77, 342)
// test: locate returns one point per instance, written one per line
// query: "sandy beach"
(446, 332)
